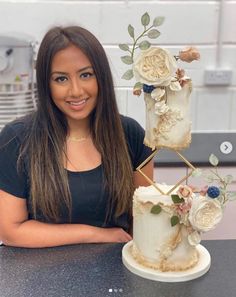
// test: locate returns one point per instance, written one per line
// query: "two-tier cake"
(168, 220)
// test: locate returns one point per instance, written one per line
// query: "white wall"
(187, 23)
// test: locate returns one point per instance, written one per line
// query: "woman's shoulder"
(131, 126)
(14, 130)
(129, 123)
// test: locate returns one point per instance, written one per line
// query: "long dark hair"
(45, 141)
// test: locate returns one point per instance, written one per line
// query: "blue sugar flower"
(213, 192)
(148, 88)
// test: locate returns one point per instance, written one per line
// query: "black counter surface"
(97, 270)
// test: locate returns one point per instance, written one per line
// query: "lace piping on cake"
(167, 266)
(141, 207)
(166, 122)
(185, 143)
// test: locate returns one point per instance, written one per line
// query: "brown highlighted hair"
(45, 141)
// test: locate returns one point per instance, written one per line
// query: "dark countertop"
(97, 270)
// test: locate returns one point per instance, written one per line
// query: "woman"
(67, 171)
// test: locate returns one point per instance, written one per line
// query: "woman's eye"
(60, 79)
(86, 74)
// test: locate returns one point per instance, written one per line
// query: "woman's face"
(73, 84)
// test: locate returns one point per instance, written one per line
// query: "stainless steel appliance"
(18, 93)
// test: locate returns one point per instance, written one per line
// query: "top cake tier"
(165, 86)
(168, 122)
(167, 96)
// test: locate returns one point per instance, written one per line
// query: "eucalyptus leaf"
(158, 21)
(177, 199)
(213, 160)
(228, 179)
(128, 74)
(156, 209)
(197, 172)
(144, 45)
(209, 178)
(174, 220)
(153, 33)
(222, 190)
(131, 31)
(145, 19)
(231, 196)
(220, 199)
(124, 47)
(127, 60)
(138, 85)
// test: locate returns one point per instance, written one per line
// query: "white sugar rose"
(157, 94)
(155, 66)
(175, 86)
(194, 238)
(205, 213)
(161, 108)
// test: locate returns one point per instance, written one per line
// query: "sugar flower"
(189, 54)
(194, 238)
(175, 85)
(157, 93)
(184, 192)
(155, 66)
(161, 108)
(205, 213)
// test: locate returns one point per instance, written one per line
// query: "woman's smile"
(77, 104)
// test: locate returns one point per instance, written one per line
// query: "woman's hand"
(114, 235)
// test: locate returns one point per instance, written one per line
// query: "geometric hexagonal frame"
(153, 183)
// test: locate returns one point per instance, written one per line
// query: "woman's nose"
(76, 88)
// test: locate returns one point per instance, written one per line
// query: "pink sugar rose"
(180, 73)
(183, 208)
(184, 192)
(189, 54)
(204, 191)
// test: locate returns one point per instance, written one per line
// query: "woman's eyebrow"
(80, 70)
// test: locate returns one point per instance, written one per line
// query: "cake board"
(198, 270)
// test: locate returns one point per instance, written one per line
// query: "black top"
(89, 198)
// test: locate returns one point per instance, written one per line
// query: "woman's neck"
(78, 129)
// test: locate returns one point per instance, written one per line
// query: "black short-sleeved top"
(89, 198)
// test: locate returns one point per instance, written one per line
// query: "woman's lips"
(77, 105)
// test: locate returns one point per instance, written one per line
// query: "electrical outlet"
(218, 77)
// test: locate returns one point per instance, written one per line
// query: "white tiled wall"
(186, 22)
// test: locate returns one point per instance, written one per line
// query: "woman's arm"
(139, 179)
(17, 230)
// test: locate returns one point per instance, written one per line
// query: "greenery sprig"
(213, 176)
(221, 193)
(148, 31)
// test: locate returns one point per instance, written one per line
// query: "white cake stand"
(201, 267)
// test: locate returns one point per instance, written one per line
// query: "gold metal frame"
(154, 183)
